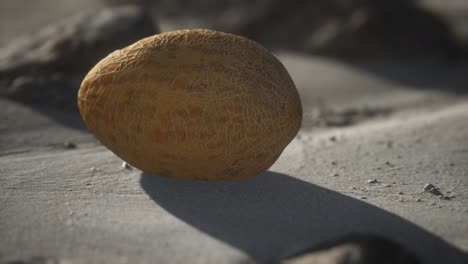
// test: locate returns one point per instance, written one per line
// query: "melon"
(192, 104)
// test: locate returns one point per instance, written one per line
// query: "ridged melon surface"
(192, 104)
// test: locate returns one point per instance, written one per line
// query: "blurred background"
(425, 29)
(47, 45)
(52, 43)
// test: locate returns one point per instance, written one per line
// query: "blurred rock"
(341, 28)
(356, 249)
(48, 66)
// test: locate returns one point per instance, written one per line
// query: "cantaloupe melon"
(192, 104)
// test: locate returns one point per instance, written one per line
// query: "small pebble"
(69, 145)
(372, 181)
(333, 138)
(387, 185)
(126, 166)
(401, 193)
(336, 175)
(363, 197)
(446, 197)
(93, 169)
(430, 188)
(418, 200)
(334, 163)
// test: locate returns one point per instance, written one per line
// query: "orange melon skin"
(192, 104)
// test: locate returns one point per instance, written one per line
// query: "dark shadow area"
(443, 77)
(356, 249)
(65, 117)
(274, 215)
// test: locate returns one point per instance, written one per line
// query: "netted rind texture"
(192, 104)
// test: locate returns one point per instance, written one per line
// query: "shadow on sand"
(274, 215)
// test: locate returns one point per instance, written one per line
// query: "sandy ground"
(80, 206)
(54, 204)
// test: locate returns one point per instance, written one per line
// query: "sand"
(80, 205)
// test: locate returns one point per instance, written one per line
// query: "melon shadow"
(274, 215)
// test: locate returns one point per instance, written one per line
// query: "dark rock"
(360, 28)
(430, 188)
(355, 249)
(47, 67)
(69, 145)
(50, 88)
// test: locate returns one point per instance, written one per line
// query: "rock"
(49, 88)
(371, 181)
(126, 166)
(69, 145)
(47, 67)
(361, 28)
(356, 249)
(430, 188)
